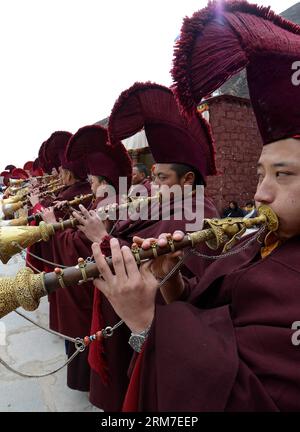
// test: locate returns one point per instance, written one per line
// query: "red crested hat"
(19, 173)
(6, 176)
(171, 138)
(36, 163)
(42, 161)
(36, 170)
(28, 166)
(225, 37)
(101, 159)
(10, 167)
(55, 151)
(55, 147)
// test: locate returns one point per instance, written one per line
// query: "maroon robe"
(78, 370)
(71, 308)
(108, 390)
(229, 347)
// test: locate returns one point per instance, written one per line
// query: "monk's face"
(137, 176)
(279, 184)
(163, 174)
(98, 185)
(94, 182)
(66, 177)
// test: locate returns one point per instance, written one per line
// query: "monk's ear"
(189, 178)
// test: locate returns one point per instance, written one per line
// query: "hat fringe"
(55, 147)
(19, 173)
(124, 96)
(44, 164)
(145, 107)
(75, 150)
(224, 65)
(116, 153)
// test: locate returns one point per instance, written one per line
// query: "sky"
(65, 62)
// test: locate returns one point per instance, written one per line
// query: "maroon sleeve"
(69, 245)
(190, 361)
(195, 360)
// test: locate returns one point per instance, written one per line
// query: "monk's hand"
(48, 215)
(90, 224)
(130, 291)
(163, 264)
(34, 198)
(33, 181)
(60, 204)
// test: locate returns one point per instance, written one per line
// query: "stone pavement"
(32, 350)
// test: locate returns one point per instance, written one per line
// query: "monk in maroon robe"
(140, 180)
(168, 137)
(227, 343)
(232, 347)
(108, 386)
(71, 308)
(73, 176)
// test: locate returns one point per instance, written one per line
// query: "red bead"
(98, 335)
(86, 340)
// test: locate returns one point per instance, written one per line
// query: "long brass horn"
(27, 236)
(103, 212)
(52, 190)
(9, 209)
(51, 184)
(37, 217)
(15, 238)
(12, 199)
(46, 177)
(22, 190)
(9, 206)
(27, 288)
(15, 182)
